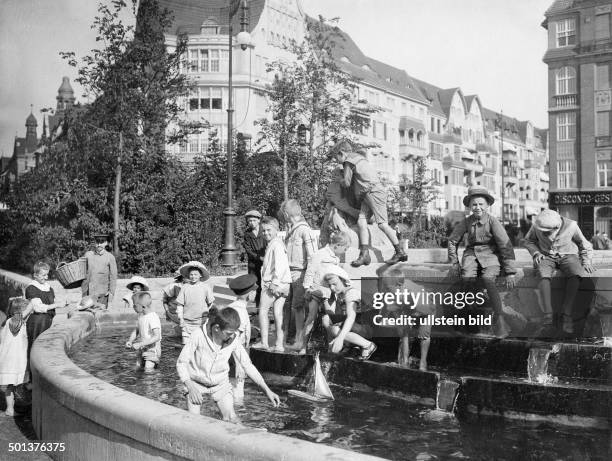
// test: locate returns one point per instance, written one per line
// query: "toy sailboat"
(321, 391)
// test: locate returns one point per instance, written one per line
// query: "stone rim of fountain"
(72, 406)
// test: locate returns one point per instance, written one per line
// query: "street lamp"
(229, 253)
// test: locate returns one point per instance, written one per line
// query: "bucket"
(70, 275)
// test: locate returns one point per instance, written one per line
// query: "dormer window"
(345, 59)
(209, 27)
(366, 67)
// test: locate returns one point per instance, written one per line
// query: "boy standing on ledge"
(555, 243)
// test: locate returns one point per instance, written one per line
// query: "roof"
(559, 6)
(31, 120)
(515, 130)
(406, 123)
(430, 92)
(351, 59)
(446, 98)
(190, 14)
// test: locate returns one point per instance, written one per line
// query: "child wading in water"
(195, 298)
(146, 338)
(488, 247)
(245, 288)
(340, 317)
(276, 280)
(203, 365)
(360, 176)
(135, 285)
(14, 351)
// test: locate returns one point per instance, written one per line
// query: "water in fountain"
(606, 329)
(364, 421)
(537, 366)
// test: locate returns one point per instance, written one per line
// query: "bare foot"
(260, 345)
(423, 366)
(9, 412)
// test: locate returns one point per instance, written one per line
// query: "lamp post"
(229, 252)
(501, 150)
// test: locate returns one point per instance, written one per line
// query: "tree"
(136, 83)
(414, 195)
(310, 94)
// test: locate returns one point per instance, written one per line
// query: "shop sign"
(580, 198)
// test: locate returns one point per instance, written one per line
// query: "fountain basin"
(97, 420)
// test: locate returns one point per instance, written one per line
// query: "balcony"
(450, 161)
(603, 141)
(564, 102)
(408, 151)
(595, 46)
(532, 163)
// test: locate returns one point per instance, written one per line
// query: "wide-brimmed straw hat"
(187, 267)
(478, 191)
(337, 271)
(547, 221)
(140, 280)
(243, 284)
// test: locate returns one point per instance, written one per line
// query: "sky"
(492, 48)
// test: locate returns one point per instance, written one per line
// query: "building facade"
(579, 59)
(413, 119)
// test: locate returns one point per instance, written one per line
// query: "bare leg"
(351, 337)
(149, 365)
(278, 320)
(10, 401)
(264, 323)
(299, 328)
(389, 232)
(192, 407)
(226, 406)
(362, 227)
(424, 351)
(403, 353)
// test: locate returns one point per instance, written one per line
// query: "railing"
(564, 101)
(595, 46)
(603, 141)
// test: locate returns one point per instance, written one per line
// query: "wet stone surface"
(363, 421)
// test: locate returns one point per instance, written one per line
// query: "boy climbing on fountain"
(488, 249)
(361, 177)
(555, 242)
(340, 318)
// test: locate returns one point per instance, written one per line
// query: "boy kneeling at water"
(203, 365)
(340, 316)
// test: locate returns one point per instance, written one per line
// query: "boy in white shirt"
(146, 337)
(275, 280)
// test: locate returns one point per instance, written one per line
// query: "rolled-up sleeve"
(182, 364)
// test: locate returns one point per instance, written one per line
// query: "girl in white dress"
(14, 350)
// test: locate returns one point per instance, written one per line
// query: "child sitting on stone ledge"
(488, 248)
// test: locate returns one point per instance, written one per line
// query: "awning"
(409, 122)
(544, 177)
(530, 210)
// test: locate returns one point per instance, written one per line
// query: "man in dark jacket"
(255, 247)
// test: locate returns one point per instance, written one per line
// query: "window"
(566, 81)
(210, 98)
(566, 126)
(602, 127)
(438, 126)
(432, 124)
(604, 173)
(193, 60)
(193, 143)
(602, 80)
(566, 174)
(602, 26)
(566, 32)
